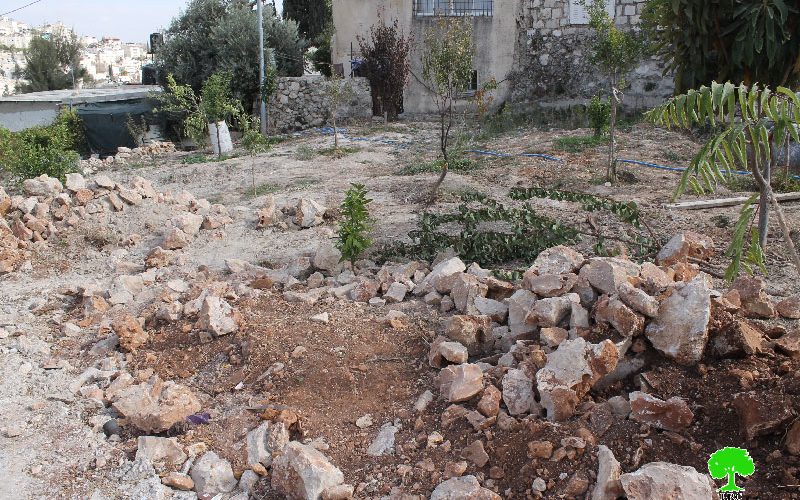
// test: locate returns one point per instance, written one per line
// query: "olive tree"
(338, 91)
(447, 62)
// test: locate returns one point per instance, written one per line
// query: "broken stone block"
(613, 311)
(158, 450)
(442, 277)
(218, 317)
(551, 311)
(549, 285)
(158, 257)
(264, 441)
(557, 260)
(608, 486)
(473, 332)
(671, 415)
(638, 300)
(213, 475)
(309, 213)
(519, 306)
(328, 258)
(301, 472)
(665, 481)
(553, 337)
(459, 383)
(463, 488)
(680, 331)
(43, 185)
(737, 339)
(518, 393)
(396, 293)
(442, 350)
(476, 454)
(789, 344)
(467, 288)
(762, 413)
(496, 310)
(789, 308)
(178, 481)
(365, 291)
(155, 406)
(684, 245)
(383, 444)
(174, 239)
(489, 405)
(570, 372)
(130, 333)
(607, 274)
(755, 302)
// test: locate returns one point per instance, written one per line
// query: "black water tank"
(149, 75)
(156, 41)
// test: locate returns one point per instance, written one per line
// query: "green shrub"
(578, 144)
(599, 111)
(30, 160)
(355, 224)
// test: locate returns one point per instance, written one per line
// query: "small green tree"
(217, 103)
(615, 53)
(728, 463)
(253, 141)
(754, 123)
(447, 62)
(599, 111)
(52, 62)
(355, 225)
(338, 91)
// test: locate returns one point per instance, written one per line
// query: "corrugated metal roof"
(82, 96)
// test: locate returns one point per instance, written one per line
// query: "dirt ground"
(354, 365)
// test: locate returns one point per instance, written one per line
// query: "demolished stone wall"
(301, 103)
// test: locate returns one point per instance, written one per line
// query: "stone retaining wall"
(301, 103)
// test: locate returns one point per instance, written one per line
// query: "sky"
(130, 20)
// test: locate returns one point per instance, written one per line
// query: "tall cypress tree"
(312, 16)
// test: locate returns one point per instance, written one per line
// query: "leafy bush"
(355, 224)
(599, 111)
(578, 144)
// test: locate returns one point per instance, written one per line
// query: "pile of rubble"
(124, 155)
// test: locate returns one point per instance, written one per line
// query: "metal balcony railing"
(453, 7)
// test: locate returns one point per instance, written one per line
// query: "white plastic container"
(223, 141)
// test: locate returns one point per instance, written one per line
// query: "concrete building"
(536, 49)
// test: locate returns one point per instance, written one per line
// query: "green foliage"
(216, 101)
(355, 224)
(599, 111)
(313, 16)
(753, 122)
(728, 463)
(753, 41)
(458, 165)
(218, 36)
(338, 92)
(577, 144)
(322, 56)
(52, 62)
(137, 127)
(614, 51)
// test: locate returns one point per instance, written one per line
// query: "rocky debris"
(519, 305)
(396, 293)
(607, 274)
(549, 285)
(212, 475)
(339, 492)
(442, 276)
(470, 331)
(265, 441)
(518, 393)
(789, 344)
(737, 338)
(680, 331)
(459, 383)
(792, 441)
(158, 450)
(671, 415)
(218, 317)
(683, 246)
(608, 486)
(551, 311)
(463, 488)
(754, 300)
(301, 473)
(309, 213)
(130, 332)
(557, 260)
(476, 454)
(665, 481)
(43, 186)
(789, 307)
(158, 257)
(155, 406)
(638, 300)
(383, 444)
(328, 258)
(175, 239)
(489, 404)
(761, 413)
(570, 372)
(178, 481)
(622, 318)
(75, 182)
(466, 289)
(553, 337)
(443, 350)
(496, 310)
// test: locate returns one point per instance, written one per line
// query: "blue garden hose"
(681, 169)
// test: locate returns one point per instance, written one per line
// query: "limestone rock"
(156, 406)
(471, 331)
(549, 285)
(441, 278)
(489, 405)
(570, 372)
(755, 302)
(680, 331)
(789, 308)
(519, 306)
(762, 412)
(463, 488)
(638, 300)
(608, 485)
(188, 223)
(42, 186)
(551, 311)
(737, 339)
(671, 415)
(265, 441)
(607, 274)
(130, 333)
(613, 311)
(158, 257)
(178, 481)
(557, 260)
(218, 317)
(789, 344)
(396, 293)
(75, 182)
(518, 393)
(213, 475)
(466, 289)
(383, 444)
(158, 450)
(665, 481)
(459, 383)
(685, 245)
(309, 213)
(476, 454)
(303, 473)
(553, 337)
(328, 258)
(174, 239)
(443, 350)
(496, 310)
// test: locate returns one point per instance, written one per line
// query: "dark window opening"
(453, 7)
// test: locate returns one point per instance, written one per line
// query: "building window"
(453, 7)
(578, 14)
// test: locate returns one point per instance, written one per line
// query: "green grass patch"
(305, 153)
(332, 152)
(578, 144)
(459, 165)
